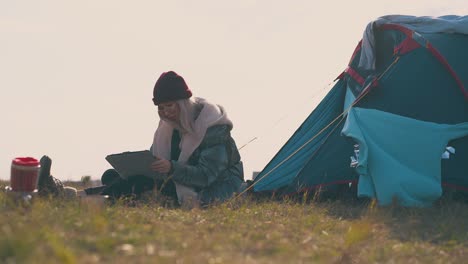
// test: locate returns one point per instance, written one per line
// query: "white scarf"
(210, 115)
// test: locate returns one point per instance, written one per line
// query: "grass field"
(242, 231)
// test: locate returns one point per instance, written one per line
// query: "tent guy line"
(278, 121)
(366, 91)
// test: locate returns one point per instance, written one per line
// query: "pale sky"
(76, 77)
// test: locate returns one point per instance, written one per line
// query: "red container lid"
(26, 161)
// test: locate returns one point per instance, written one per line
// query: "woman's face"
(169, 110)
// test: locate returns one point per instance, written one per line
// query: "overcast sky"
(76, 77)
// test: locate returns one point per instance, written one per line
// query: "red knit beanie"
(170, 87)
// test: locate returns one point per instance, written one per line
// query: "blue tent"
(395, 124)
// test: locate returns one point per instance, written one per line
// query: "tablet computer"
(132, 163)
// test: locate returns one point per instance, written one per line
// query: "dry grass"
(244, 231)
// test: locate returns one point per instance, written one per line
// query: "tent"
(394, 125)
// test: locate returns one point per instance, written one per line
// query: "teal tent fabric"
(289, 164)
(399, 157)
(404, 111)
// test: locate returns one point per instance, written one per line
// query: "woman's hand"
(161, 165)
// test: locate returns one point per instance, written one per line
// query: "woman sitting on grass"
(193, 149)
(193, 144)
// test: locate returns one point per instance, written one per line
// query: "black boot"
(48, 185)
(109, 181)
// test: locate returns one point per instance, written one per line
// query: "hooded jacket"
(214, 169)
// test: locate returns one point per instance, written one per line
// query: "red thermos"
(24, 174)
